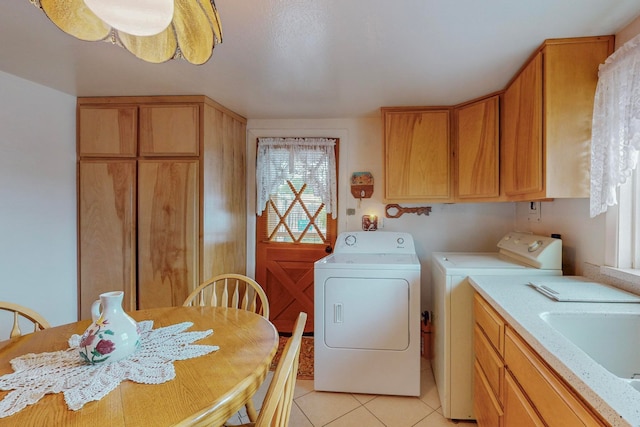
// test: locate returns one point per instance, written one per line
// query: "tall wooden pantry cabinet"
(161, 197)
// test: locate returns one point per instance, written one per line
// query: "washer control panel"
(537, 251)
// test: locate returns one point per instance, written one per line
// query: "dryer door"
(366, 313)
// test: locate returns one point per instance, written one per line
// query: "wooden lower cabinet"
(552, 399)
(486, 405)
(489, 365)
(514, 387)
(517, 408)
(167, 231)
(107, 218)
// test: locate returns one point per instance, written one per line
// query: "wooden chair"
(276, 408)
(20, 312)
(231, 290)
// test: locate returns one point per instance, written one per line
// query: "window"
(623, 227)
(615, 144)
(295, 214)
(297, 187)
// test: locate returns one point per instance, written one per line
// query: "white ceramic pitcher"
(113, 335)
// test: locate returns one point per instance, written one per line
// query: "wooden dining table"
(207, 390)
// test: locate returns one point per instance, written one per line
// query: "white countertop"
(521, 306)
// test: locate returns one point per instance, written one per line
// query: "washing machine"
(519, 254)
(367, 315)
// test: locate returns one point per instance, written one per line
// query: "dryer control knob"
(400, 240)
(350, 240)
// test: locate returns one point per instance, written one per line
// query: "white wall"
(37, 200)
(582, 237)
(449, 227)
(628, 32)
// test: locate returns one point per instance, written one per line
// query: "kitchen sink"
(612, 340)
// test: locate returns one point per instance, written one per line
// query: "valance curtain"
(615, 139)
(311, 159)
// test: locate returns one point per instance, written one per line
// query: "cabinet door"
(107, 237)
(522, 146)
(167, 231)
(556, 404)
(107, 131)
(169, 130)
(486, 407)
(518, 411)
(570, 80)
(492, 365)
(417, 155)
(477, 149)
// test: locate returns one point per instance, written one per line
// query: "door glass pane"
(295, 214)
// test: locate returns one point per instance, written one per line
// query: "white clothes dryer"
(367, 315)
(521, 254)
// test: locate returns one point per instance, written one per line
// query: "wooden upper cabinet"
(417, 154)
(522, 132)
(107, 131)
(169, 130)
(477, 149)
(570, 80)
(547, 114)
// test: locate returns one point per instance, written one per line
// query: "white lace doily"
(64, 372)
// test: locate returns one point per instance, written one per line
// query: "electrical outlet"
(534, 212)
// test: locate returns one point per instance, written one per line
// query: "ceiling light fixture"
(153, 30)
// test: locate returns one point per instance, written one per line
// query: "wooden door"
(291, 234)
(522, 145)
(167, 232)
(107, 239)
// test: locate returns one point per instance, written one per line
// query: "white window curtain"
(312, 159)
(615, 139)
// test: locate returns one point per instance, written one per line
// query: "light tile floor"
(316, 408)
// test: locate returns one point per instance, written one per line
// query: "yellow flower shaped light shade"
(191, 33)
(139, 18)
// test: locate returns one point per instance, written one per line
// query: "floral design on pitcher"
(98, 352)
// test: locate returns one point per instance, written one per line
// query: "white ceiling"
(319, 58)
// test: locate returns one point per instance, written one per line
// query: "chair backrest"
(19, 312)
(230, 290)
(276, 407)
